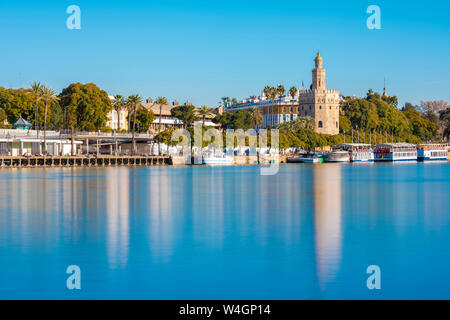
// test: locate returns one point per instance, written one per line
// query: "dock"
(82, 161)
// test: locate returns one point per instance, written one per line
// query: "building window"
(337, 125)
(292, 109)
(320, 124)
(320, 108)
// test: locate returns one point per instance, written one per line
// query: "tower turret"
(318, 74)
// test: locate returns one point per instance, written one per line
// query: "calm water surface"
(309, 232)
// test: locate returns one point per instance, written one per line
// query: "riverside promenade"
(82, 161)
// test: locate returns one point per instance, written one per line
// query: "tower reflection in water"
(327, 221)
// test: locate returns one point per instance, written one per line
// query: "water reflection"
(327, 221)
(118, 215)
(170, 232)
(159, 197)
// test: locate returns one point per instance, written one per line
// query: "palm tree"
(119, 104)
(281, 90)
(293, 92)
(133, 101)
(162, 101)
(204, 111)
(36, 90)
(268, 92)
(273, 95)
(49, 96)
(256, 116)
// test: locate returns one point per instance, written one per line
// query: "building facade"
(118, 122)
(319, 103)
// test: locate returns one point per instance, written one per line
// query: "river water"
(309, 232)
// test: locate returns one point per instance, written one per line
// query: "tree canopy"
(86, 105)
(144, 119)
(21, 102)
(185, 113)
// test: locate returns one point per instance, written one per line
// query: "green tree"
(297, 125)
(420, 127)
(3, 116)
(185, 113)
(18, 102)
(86, 105)
(144, 119)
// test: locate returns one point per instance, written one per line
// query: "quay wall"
(79, 161)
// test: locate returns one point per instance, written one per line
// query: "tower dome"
(318, 59)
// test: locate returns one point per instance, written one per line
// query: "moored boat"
(306, 158)
(432, 152)
(395, 152)
(337, 156)
(359, 152)
(218, 161)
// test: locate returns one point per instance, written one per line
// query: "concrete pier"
(80, 161)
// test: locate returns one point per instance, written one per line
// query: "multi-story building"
(319, 103)
(117, 123)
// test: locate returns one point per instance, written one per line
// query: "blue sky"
(202, 50)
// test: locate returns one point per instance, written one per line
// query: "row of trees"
(377, 113)
(84, 107)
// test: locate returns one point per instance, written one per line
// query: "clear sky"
(201, 50)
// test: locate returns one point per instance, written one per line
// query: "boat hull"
(432, 155)
(218, 161)
(337, 157)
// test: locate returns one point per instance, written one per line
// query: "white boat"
(432, 152)
(313, 159)
(359, 152)
(338, 156)
(214, 160)
(395, 152)
(306, 158)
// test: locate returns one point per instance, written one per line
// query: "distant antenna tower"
(384, 90)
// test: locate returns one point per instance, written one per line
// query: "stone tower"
(318, 74)
(320, 103)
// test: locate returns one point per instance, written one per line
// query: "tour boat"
(394, 152)
(359, 152)
(339, 156)
(432, 152)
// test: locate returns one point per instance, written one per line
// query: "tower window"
(320, 124)
(337, 125)
(320, 108)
